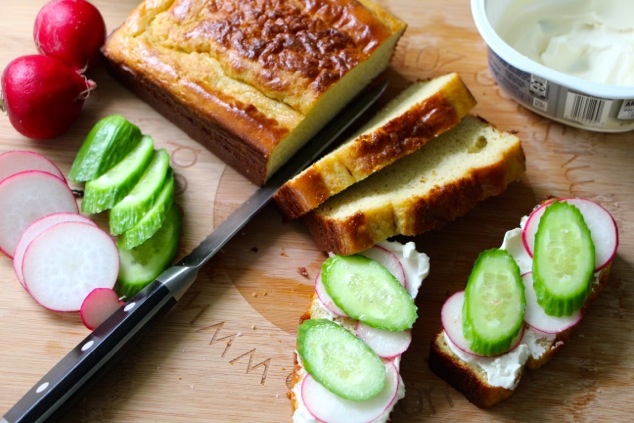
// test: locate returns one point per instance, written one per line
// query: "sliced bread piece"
(422, 191)
(421, 112)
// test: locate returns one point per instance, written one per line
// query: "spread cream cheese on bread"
(416, 268)
(422, 191)
(421, 112)
(252, 80)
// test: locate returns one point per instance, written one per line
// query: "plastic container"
(566, 99)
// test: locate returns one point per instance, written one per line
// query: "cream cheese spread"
(416, 268)
(589, 39)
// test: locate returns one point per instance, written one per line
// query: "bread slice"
(471, 380)
(251, 80)
(418, 114)
(422, 191)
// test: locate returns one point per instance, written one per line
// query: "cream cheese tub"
(569, 60)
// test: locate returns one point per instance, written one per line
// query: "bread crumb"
(253, 327)
(302, 271)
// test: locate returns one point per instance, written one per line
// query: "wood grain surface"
(226, 351)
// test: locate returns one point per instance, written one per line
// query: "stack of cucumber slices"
(125, 175)
(351, 351)
(567, 243)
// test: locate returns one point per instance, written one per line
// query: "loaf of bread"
(485, 381)
(252, 80)
(421, 112)
(422, 191)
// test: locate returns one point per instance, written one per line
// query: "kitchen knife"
(82, 366)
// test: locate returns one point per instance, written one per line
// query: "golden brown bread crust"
(419, 213)
(471, 383)
(373, 151)
(240, 76)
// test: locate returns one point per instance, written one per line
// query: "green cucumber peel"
(340, 361)
(563, 260)
(366, 291)
(494, 306)
(109, 140)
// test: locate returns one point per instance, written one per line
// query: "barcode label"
(586, 109)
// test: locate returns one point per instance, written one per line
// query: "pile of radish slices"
(60, 257)
(410, 268)
(520, 243)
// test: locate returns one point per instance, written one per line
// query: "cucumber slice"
(366, 291)
(141, 265)
(340, 361)
(493, 310)
(563, 261)
(111, 139)
(131, 209)
(153, 219)
(104, 192)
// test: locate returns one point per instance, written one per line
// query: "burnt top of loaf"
(257, 68)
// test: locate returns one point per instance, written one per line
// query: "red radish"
(325, 298)
(385, 343)
(537, 318)
(63, 264)
(451, 317)
(24, 198)
(328, 407)
(387, 259)
(100, 304)
(70, 30)
(16, 161)
(42, 95)
(37, 228)
(600, 222)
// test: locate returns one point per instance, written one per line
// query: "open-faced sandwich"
(523, 301)
(352, 336)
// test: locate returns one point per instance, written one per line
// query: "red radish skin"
(27, 196)
(325, 298)
(72, 31)
(386, 344)
(63, 264)
(37, 228)
(536, 317)
(16, 161)
(325, 406)
(100, 304)
(42, 96)
(389, 260)
(602, 226)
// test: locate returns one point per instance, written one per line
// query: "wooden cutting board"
(226, 351)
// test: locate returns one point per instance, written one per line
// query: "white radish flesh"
(386, 344)
(100, 304)
(37, 228)
(537, 318)
(27, 196)
(600, 222)
(451, 317)
(325, 298)
(63, 264)
(17, 161)
(328, 407)
(389, 260)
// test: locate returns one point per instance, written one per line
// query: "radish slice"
(17, 161)
(389, 260)
(328, 407)
(37, 228)
(100, 304)
(27, 196)
(600, 222)
(385, 343)
(66, 262)
(537, 318)
(451, 317)
(325, 298)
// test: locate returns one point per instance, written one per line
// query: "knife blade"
(91, 358)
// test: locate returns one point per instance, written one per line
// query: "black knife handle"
(90, 358)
